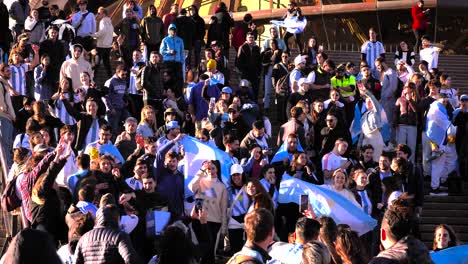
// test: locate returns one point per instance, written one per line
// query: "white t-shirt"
(431, 55)
(331, 161)
(372, 51)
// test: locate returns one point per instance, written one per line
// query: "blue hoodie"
(172, 43)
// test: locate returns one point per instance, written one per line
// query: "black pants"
(127, 52)
(254, 79)
(176, 71)
(297, 36)
(417, 35)
(104, 54)
(206, 235)
(290, 213)
(150, 48)
(135, 104)
(281, 103)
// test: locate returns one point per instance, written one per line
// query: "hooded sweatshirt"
(172, 43)
(105, 33)
(72, 68)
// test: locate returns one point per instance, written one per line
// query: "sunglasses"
(330, 120)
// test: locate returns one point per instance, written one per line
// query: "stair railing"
(9, 221)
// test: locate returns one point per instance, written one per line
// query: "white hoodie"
(105, 33)
(72, 68)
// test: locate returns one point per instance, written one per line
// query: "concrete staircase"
(451, 210)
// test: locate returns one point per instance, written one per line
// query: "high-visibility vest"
(344, 82)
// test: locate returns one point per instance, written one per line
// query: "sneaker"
(438, 192)
(443, 186)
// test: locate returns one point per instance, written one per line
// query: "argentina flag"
(196, 152)
(438, 123)
(356, 126)
(283, 152)
(292, 24)
(453, 255)
(326, 202)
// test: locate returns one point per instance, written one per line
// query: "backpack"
(282, 85)
(10, 200)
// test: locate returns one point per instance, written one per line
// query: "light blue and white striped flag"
(438, 123)
(196, 152)
(453, 255)
(292, 24)
(326, 202)
(283, 152)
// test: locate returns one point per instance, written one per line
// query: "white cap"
(299, 59)
(236, 168)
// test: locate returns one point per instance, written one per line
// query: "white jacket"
(105, 33)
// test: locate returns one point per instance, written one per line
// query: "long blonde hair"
(144, 118)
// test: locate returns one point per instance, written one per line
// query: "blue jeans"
(116, 120)
(6, 139)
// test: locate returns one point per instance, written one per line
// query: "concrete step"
(446, 211)
(431, 227)
(444, 220)
(440, 205)
(462, 199)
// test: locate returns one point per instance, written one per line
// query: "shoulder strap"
(84, 16)
(284, 67)
(35, 25)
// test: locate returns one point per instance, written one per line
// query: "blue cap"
(227, 89)
(464, 97)
(172, 26)
(171, 125)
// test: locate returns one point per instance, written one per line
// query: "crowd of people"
(97, 171)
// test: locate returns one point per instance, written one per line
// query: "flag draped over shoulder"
(356, 125)
(453, 255)
(292, 24)
(326, 202)
(283, 152)
(196, 152)
(385, 125)
(438, 123)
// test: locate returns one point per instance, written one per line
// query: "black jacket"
(185, 30)
(105, 243)
(199, 27)
(375, 188)
(328, 138)
(84, 122)
(461, 140)
(249, 60)
(152, 82)
(48, 215)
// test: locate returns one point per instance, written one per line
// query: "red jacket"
(419, 18)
